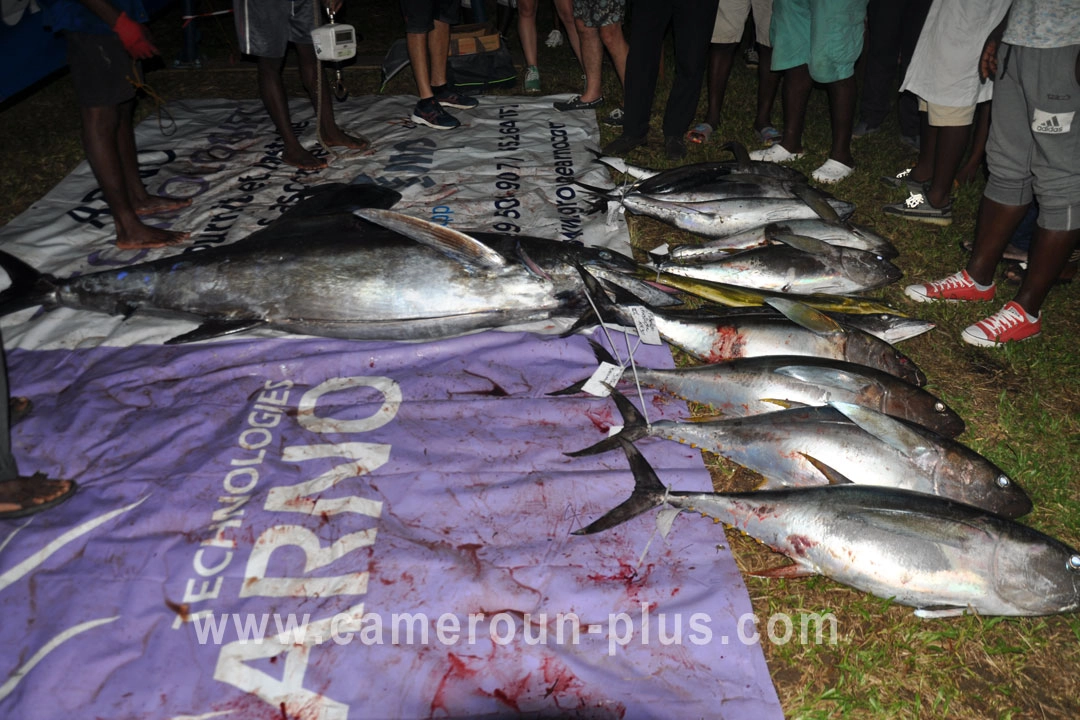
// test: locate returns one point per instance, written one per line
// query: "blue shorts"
(824, 35)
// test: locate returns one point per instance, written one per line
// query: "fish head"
(868, 270)
(1036, 574)
(925, 409)
(880, 244)
(865, 349)
(980, 482)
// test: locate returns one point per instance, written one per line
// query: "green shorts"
(825, 35)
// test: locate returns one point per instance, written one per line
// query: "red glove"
(135, 37)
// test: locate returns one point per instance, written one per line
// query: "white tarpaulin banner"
(293, 527)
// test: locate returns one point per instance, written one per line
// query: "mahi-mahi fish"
(330, 269)
(941, 557)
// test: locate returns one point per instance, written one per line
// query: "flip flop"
(700, 133)
(27, 488)
(768, 136)
(832, 171)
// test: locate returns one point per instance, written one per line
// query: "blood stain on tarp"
(457, 670)
(180, 609)
(601, 418)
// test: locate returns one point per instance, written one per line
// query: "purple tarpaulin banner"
(310, 528)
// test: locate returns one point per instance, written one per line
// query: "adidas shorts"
(1034, 137)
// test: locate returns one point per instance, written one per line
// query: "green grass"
(1022, 403)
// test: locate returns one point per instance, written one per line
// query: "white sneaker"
(833, 171)
(776, 153)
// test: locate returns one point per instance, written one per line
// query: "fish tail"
(648, 493)
(28, 288)
(634, 428)
(602, 356)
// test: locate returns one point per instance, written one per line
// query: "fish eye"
(939, 407)
(605, 254)
(1073, 563)
(1002, 481)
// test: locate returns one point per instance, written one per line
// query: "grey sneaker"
(429, 112)
(903, 179)
(916, 207)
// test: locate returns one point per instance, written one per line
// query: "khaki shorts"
(731, 19)
(947, 116)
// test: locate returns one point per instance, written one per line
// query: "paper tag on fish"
(646, 325)
(601, 381)
(614, 430)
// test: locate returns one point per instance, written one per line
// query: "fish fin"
(634, 428)
(887, 429)
(794, 570)
(805, 316)
(213, 329)
(940, 612)
(785, 404)
(648, 493)
(835, 477)
(739, 152)
(452, 243)
(805, 243)
(571, 389)
(601, 354)
(817, 200)
(825, 377)
(29, 287)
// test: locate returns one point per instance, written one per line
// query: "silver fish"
(884, 326)
(810, 446)
(752, 386)
(942, 558)
(843, 234)
(801, 265)
(725, 217)
(333, 274)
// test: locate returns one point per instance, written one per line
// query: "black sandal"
(27, 494)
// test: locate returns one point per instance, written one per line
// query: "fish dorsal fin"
(215, 328)
(805, 243)
(452, 243)
(825, 377)
(887, 429)
(805, 316)
(835, 477)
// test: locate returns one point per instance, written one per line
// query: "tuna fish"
(843, 234)
(800, 265)
(322, 270)
(815, 446)
(752, 386)
(941, 557)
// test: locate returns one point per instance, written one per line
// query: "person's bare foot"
(302, 159)
(23, 496)
(145, 236)
(156, 205)
(336, 137)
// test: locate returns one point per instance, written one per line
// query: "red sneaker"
(1008, 324)
(957, 287)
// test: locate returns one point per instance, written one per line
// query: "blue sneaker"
(448, 98)
(430, 112)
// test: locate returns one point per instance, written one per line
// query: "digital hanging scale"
(334, 41)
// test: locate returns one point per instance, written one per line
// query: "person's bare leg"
(951, 144)
(1047, 257)
(796, 95)
(100, 128)
(592, 56)
(768, 84)
(272, 93)
(310, 73)
(721, 59)
(417, 45)
(142, 201)
(923, 170)
(565, 11)
(612, 38)
(970, 170)
(526, 24)
(438, 52)
(842, 118)
(994, 226)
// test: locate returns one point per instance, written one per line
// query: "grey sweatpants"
(1034, 144)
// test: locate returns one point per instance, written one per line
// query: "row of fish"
(863, 480)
